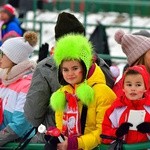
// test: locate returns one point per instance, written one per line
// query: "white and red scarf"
(71, 123)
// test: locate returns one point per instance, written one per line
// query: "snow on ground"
(111, 18)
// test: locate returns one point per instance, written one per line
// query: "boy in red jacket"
(129, 116)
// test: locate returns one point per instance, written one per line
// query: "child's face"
(72, 72)
(4, 16)
(5, 62)
(134, 86)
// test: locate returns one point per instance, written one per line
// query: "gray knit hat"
(143, 33)
(134, 46)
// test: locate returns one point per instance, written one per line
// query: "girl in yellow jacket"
(83, 88)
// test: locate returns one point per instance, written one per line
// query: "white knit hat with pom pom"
(19, 49)
(134, 46)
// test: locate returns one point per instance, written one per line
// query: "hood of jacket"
(97, 76)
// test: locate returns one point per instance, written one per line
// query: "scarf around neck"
(71, 123)
(17, 72)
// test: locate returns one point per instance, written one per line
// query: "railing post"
(41, 30)
(85, 17)
(132, 8)
(34, 10)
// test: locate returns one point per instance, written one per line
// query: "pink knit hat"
(8, 9)
(133, 46)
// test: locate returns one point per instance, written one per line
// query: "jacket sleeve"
(7, 135)
(107, 126)
(43, 84)
(13, 30)
(19, 125)
(103, 100)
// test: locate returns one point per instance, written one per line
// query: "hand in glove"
(43, 51)
(123, 129)
(144, 127)
(52, 139)
(54, 136)
(51, 143)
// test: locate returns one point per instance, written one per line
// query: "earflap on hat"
(84, 92)
(67, 23)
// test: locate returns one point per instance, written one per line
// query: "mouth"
(72, 78)
(133, 94)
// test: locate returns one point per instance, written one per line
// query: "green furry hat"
(73, 47)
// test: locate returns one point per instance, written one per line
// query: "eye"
(128, 84)
(64, 70)
(75, 68)
(138, 85)
(1, 54)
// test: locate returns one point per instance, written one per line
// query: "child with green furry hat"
(83, 86)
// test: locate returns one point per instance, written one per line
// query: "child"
(16, 73)
(83, 84)
(129, 116)
(44, 81)
(136, 48)
(11, 26)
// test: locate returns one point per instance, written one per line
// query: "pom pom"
(42, 129)
(115, 71)
(31, 37)
(118, 36)
(85, 93)
(58, 101)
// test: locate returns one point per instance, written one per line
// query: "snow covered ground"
(111, 18)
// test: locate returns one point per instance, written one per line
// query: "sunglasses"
(1, 54)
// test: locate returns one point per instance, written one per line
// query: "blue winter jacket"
(11, 29)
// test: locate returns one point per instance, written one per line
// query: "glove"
(54, 136)
(51, 142)
(52, 139)
(43, 52)
(123, 129)
(144, 127)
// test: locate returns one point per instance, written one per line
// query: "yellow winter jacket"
(103, 98)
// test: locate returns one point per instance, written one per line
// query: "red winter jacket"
(118, 114)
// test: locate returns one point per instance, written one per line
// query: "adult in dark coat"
(100, 42)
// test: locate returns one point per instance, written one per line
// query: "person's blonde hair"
(141, 61)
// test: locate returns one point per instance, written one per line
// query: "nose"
(133, 88)
(70, 73)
